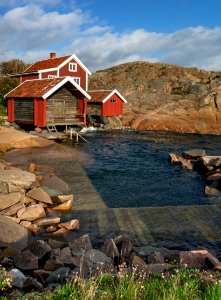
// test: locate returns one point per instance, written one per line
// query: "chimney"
(52, 55)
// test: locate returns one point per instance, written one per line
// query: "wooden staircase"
(51, 128)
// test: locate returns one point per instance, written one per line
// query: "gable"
(53, 64)
(104, 95)
(43, 88)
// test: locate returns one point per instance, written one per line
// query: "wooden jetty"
(53, 134)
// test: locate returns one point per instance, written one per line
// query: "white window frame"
(77, 80)
(72, 67)
(52, 76)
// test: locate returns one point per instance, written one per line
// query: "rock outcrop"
(165, 97)
(208, 166)
(26, 204)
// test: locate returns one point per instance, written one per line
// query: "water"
(123, 183)
(130, 168)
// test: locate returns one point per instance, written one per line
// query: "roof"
(43, 88)
(103, 95)
(46, 64)
(54, 64)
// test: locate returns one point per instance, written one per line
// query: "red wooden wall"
(64, 71)
(111, 109)
(40, 112)
(10, 106)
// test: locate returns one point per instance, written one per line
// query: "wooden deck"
(52, 135)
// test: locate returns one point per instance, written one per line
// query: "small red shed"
(105, 103)
(46, 102)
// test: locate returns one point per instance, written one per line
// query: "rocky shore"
(207, 166)
(35, 249)
(164, 96)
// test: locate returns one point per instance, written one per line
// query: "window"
(77, 80)
(73, 67)
(113, 100)
(52, 76)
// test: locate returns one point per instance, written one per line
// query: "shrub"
(5, 280)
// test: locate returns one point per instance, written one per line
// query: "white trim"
(39, 76)
(58, 73)
(61, 83)
(48, 70)
(111, 94)
(73, 56)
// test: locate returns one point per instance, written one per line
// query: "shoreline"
(146, 225)
(102, 240)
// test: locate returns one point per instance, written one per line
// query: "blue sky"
(107, 33)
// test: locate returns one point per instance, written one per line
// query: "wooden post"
(77, 137)
(70, 133)
(85, 112)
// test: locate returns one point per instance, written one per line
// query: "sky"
(104, 33)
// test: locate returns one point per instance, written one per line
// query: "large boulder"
(60, 275)
(18, 278)
(80, 246)
(39, 248)
(198, 259)
(194, 153)
(31, 213)
(48, 221)
(13, 235)
(7, 200)
(39, 195)
(26, 260)
(17, 180)
(95, 261)
(11, 138)
(12, 210)
(56, 183)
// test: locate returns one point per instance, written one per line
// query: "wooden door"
(59, 110)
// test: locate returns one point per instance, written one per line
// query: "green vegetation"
(6, 85)
(5, 281)
(12, 66)
(179, 284)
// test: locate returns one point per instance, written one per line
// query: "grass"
(3, 111)
(179, 284)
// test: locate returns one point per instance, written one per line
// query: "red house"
(55, 67)
(54, 92)
(47, 102)
(105, 103)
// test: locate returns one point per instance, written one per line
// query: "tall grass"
(182, 284)
(179, 284)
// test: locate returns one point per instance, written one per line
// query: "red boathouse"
(46, 102)
(105, 103)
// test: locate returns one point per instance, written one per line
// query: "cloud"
(30, 31)
(31, 27)
(190, 47)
